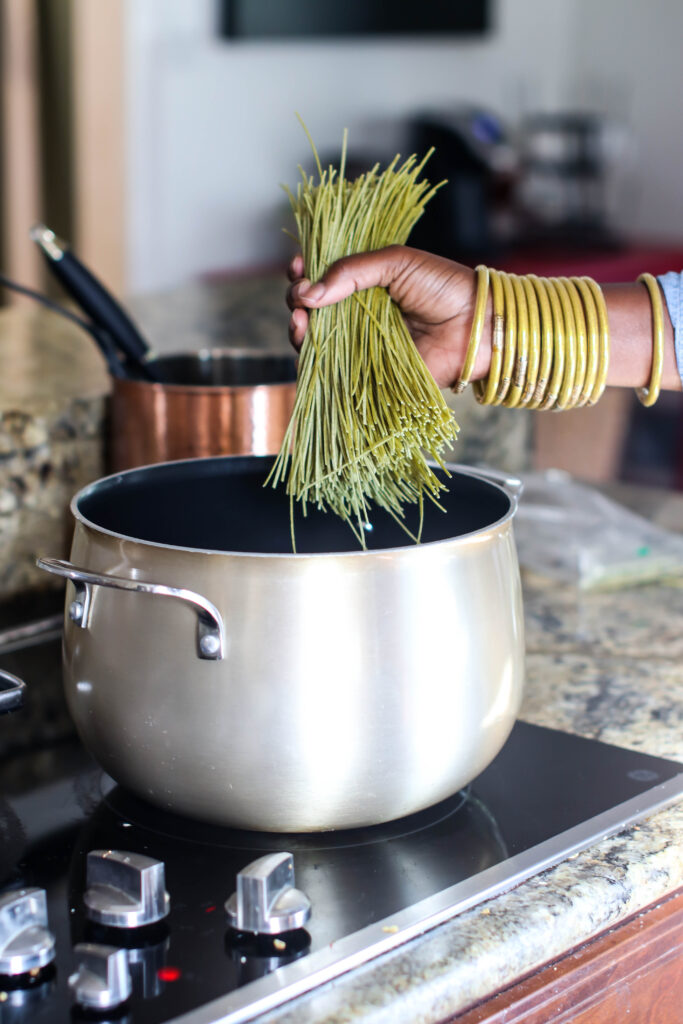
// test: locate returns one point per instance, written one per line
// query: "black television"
(292, 19)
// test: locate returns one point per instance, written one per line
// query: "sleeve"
(672, 286)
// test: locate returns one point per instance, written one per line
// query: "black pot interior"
(223, 369)
(221, 504)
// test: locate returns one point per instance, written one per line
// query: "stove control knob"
(266, 902)
(26, 944)
(125, 890)
(102, 978)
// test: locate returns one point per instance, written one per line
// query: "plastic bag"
(571, 532)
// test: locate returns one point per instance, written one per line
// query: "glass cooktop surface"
(546, 795)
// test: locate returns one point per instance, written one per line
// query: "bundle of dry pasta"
(368, 414)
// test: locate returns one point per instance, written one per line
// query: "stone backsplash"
(53, 387)
(44, 459)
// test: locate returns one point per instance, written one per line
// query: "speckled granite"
(608, 667)
(620, 623)
(52, 414)
(631, 702)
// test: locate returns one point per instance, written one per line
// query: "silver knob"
(26, 944)
(125, 890)
(266, 902)
(101, 979)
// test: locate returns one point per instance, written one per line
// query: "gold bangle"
(603, 356)
(546, 355)
(522, 352)
(567, 386)
(592, 353)
(485, 390)
(650, 394)
(581, 347)
(534, 341)
(558, 350)
(509, 346)
(476, 330)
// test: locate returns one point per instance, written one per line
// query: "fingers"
(356, 273)
(351, 274)
(348, 275)
(298, 321)
(298, 325)
(295, 270)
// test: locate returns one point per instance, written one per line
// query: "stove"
(108, 902)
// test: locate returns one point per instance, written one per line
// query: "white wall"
(212, 132)
(629, 65)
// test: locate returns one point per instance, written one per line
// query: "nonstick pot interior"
(221, 504)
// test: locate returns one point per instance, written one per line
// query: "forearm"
(630, 320)
(438, 297)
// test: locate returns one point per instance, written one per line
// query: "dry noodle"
(368, 414)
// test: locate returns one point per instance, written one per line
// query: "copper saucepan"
(211, 402)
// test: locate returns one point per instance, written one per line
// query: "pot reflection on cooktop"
(178, 827)
(353, 878)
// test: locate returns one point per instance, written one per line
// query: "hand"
(435, 295)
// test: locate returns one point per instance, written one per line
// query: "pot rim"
(454, 468)
(215, 351)
(153, 355)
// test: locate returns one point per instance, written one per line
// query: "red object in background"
(604, 266)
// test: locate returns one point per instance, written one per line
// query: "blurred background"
(154, 134)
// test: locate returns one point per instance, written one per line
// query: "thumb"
(354, 274)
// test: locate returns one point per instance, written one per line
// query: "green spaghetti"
(368, 415)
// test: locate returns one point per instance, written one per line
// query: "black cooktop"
(545, 796)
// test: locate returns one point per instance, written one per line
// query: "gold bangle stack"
(550, 345)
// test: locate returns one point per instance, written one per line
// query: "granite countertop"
(608, 666)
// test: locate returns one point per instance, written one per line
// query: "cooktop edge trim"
(296, 979)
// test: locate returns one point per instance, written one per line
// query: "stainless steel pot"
(215, 673)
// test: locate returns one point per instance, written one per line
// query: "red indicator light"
(169, 973)
(210, 910)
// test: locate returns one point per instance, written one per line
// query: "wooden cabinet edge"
(632, 972)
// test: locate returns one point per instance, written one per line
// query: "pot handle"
(512, 485)
(12, 691)
(210, 629)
